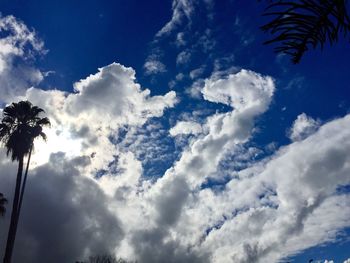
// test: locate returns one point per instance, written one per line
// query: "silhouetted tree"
(19, 127)
(3, 201)
(105, 259)
(301, 24)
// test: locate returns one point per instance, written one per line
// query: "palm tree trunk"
(3, 201)
(22, 191)
(11, 234)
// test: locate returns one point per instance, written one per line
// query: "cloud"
(273, 219)
(113, 90)
(180, 77)
(243, 90)
(89, 191)
(170, 196)
(302, 127)
(154, 66)
(182, 12)
(190, 38)
(182, 9)
(195, 90)
(183, 57)
(151, 145)
(18, 45)
(180, 39)
(347, 261)
(194, 74)
(178, 217)
(65, 217)
(87, 120)
(185, 127)
(16, 39)
(103, 103)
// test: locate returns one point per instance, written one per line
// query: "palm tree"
(3, 201)
(301, 24)
(19, 127)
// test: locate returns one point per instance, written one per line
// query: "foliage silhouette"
(301, 24)
(3, 201)
(19, 127)
(105, 259)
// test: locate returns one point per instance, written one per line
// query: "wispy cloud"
(154, 66)
(182, 9)
(21, 44)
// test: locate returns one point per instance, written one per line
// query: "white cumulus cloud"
(185, 127)
(302, 127)
(103, 103)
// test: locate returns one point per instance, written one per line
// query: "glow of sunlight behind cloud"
(58, 140)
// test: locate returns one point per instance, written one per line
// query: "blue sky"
(198, 141)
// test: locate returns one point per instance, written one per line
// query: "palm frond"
(35, 111)
(43, 136)
(19, 127)
(300, 25)
(43, 122)
(3, 201)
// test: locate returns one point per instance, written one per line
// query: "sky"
(176, 135)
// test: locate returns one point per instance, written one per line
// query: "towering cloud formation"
(103, 103)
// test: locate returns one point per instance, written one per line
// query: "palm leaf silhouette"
(300, 25)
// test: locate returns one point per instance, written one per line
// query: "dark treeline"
(105, 259)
